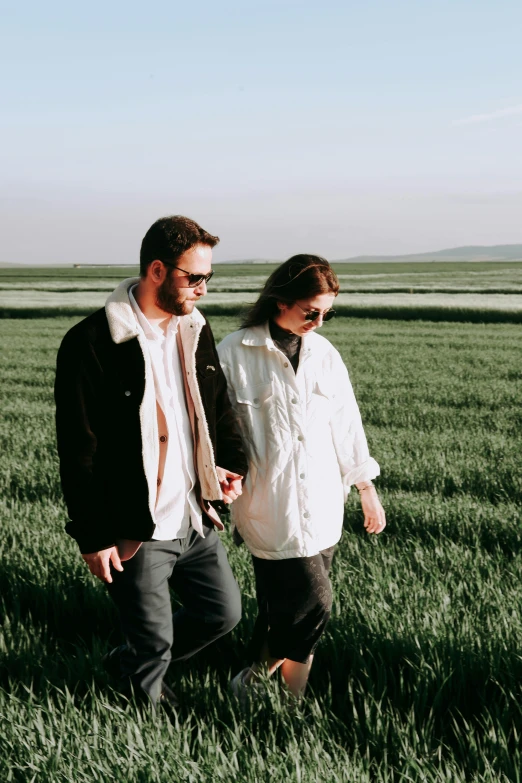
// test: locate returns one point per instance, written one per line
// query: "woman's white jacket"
(304, 440)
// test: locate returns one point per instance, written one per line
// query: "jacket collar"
(259, 336)
(122, 321)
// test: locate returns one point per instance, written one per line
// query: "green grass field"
(419, 675)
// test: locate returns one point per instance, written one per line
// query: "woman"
(306, 447)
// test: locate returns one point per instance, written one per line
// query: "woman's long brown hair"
(301, 277)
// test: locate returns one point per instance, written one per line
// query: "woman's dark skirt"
(294, 598)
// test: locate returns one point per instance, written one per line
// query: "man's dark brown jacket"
(105, 419)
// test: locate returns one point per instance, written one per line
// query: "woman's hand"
(230, 484)
(374, 516)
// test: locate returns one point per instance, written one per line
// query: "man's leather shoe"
(112, 665)
(112, 661)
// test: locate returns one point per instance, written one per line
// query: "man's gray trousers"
(198, 571)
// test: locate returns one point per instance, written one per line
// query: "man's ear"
(156, 271)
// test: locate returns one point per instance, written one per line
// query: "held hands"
(374, 516)
(99, 563)
(230, 484)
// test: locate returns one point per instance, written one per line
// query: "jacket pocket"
(324, 388)
(254, 396)
(320, 403)
(258, 422)
(207, 367)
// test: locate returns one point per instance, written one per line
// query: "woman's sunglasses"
(193, 280)
(312, 315)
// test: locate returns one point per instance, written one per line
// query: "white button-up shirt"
(176, 502)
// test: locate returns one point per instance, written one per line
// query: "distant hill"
(252, 261)
(467, 253)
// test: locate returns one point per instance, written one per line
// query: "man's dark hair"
(169, 237)
(300, 277)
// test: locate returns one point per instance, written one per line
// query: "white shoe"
(242, 691)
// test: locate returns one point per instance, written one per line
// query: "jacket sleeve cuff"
(366, 471)
(240, 468)
(90, 542)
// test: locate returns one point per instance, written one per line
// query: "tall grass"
(418, 677)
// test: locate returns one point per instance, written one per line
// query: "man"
(146, 438)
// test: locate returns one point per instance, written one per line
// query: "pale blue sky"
(331, 127)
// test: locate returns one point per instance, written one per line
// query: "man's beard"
(169, 299)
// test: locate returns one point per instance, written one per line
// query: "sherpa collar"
(120, 315)
(257, 336)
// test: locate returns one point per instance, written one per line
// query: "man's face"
(173, 295)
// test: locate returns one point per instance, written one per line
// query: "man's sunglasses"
(312, 315)
(193, 280)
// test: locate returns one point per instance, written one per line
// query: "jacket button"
(285, 364)
(158, 482)
(306, 515)
(294, 401)
(300, 437)
(163, 438)
(256, 400)
(301, 475)
(127, 394)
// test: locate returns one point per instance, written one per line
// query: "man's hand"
(230, 484)
(99, 563)
(374, 516)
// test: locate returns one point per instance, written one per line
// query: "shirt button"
(163, 438)
(301, 475)
(127, 394)
(158, 482)
(306, 515)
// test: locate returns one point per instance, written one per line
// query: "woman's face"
(292, 318)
